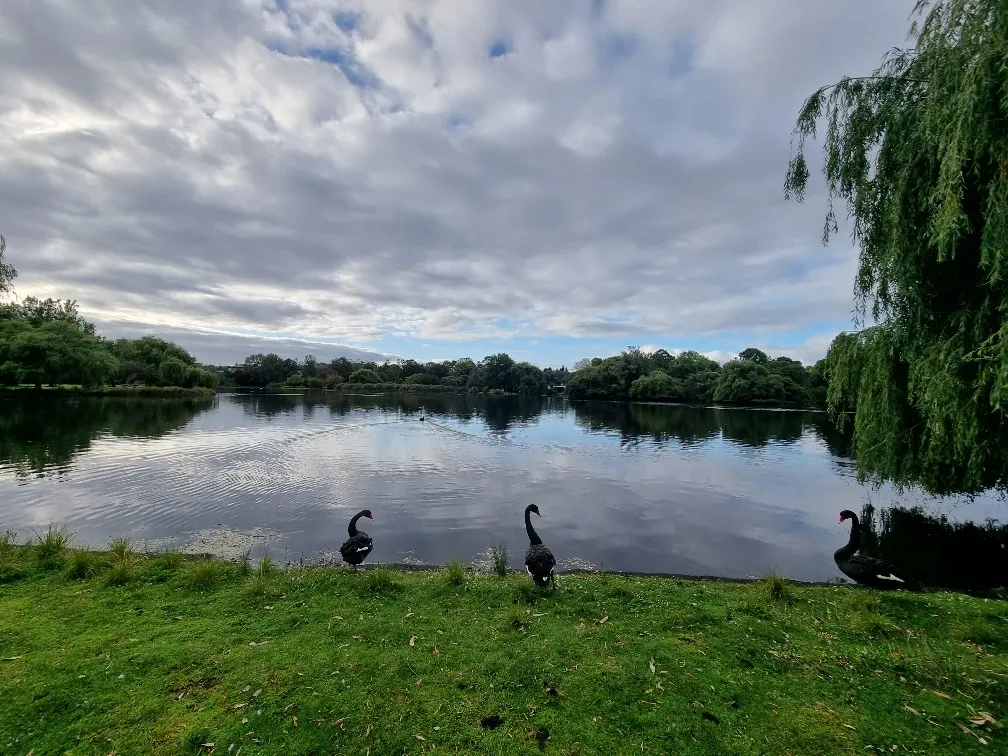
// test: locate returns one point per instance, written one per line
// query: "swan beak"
(538, 515)
(840, 522)
(370, 517)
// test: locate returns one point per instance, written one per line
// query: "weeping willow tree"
(918, 151)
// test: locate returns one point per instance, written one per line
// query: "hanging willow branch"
(918, 152)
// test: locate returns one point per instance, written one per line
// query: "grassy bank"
(152, 391)
(164, 655)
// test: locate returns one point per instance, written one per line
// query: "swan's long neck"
(534, 538)
(353, 524)
(855, 539)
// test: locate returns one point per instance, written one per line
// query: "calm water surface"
(638, 487)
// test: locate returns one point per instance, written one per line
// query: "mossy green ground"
(183, 654)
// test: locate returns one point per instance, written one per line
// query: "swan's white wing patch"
(364, 548)
(890, 577)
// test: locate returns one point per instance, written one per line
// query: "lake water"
(636, 487)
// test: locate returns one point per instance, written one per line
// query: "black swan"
(356, 548)
(539, 560)
(865, 569)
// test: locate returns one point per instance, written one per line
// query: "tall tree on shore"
(918, 151)
(7, 272)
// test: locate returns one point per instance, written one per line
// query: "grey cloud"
(170, 181)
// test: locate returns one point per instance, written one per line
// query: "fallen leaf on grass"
(11, 658)
(246, 689)
(942, 695)
(256, 694)
(604, 620)
(358, 637)
(420, 737)
(850, 727)
(412, 640)
(651, 664)
(436, 651)
(911, 709)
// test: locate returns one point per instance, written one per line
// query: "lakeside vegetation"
(916, 152)
(47, 342)
(123, 652)
(753, 379)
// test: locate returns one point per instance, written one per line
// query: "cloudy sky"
(428, 179)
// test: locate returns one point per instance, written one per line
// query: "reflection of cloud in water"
(683, 497)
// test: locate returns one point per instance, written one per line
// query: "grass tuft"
(499, 558)
(119, 573)
(526, 593)
(10, 562)
(245, 563)
(778, 589)
(517, 619)
(454, 572)
(204, 574)
(260, 580)
(172, 560)
(121, 550)
(123, 559)
(83, 564)
(379, 581)
(50, 548)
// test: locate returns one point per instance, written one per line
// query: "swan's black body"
(356, 548)
(539, 560)
(863, 569)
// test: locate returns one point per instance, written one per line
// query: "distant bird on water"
(539, 560)
(356, 548)
(865, 569)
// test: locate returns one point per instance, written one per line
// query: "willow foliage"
(919, 153)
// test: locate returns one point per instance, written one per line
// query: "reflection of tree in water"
(760, 427)
(692, 425)
(938, 553)
(268, 405)
(660, 422)
(839, 443)
(39, 433)
(499, 413)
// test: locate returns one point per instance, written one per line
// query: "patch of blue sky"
(354, 72)
(499, 49)
(346, 20)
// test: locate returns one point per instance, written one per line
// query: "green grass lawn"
(166, 655)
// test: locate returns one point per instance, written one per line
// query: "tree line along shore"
(47, 344)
